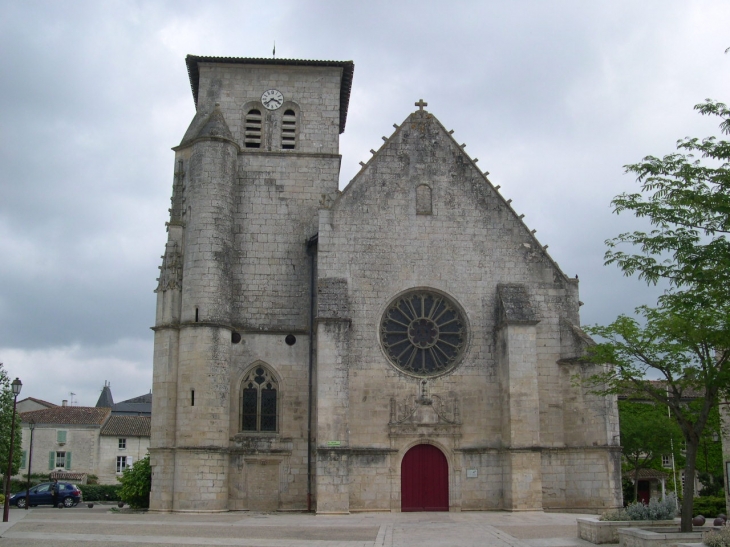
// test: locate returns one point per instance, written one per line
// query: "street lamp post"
(31, 426)
(16, 385)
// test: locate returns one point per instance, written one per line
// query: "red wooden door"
(424, 479)
(644, 492)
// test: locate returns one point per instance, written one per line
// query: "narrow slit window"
(196, 315)
(192, 397)
(289, 130)
(259, 401)
(252, 135)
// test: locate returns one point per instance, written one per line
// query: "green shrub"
(136, 484)
(654, 510)
(718, 538)
(20, 485)
(708, 506)
(615, 514)
(101, 492)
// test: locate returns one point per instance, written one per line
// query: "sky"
(554, 98)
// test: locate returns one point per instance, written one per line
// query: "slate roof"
(68, 415)
(140, 406)
(105, 399)
(348, 68)
(128, 426)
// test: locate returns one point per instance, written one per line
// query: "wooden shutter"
(289, 130)
(68, 461)
(61, 437)
(52, 460)
(23, 454)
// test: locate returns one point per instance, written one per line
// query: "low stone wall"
(660, 537)
(606, 531)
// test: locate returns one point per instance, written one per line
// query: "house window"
(121, 463)
(61, 437)
(60, 459)
(23, 462)
(122, 444)
(259, 401)
(252, 132)
(289, 130)
(666, 461)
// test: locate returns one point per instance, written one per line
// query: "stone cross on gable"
(420, 104)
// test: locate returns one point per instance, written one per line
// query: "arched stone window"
(252, 131)
(259, 400)
(289, 130)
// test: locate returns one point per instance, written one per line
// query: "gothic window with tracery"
(423, 333)
(252, 134)
(259, 401)
(289, 130)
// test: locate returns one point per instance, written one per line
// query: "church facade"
(406, 344)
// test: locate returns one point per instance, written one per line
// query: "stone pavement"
(102, 527)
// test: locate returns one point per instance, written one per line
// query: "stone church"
(405, 344)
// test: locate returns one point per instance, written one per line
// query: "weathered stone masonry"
(420, 225)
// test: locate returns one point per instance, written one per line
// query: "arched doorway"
(424, 479)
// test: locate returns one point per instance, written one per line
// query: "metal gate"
(424, 479)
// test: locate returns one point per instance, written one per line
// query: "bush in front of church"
(136, 484)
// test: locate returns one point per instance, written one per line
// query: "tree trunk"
(689, 485)
(636, 483)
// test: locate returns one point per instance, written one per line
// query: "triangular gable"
(423, 121)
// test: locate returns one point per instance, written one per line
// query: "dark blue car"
(42, 494)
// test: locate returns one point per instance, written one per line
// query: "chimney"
(64, 402)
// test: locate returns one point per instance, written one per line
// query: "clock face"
(272, 99)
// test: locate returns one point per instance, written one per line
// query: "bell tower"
(260, 155)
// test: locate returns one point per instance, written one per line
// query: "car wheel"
(21, 503)
(68, 502)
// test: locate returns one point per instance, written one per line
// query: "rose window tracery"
(423, 333)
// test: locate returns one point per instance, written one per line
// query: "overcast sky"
(552, 97)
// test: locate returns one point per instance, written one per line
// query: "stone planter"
(660, 537)
(606, 531)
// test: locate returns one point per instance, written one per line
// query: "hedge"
(100, 492)
(708, 506)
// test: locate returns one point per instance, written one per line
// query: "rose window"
(423, 333)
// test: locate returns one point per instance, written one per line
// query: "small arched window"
(289, 130)
(259, 393)
(252, 135)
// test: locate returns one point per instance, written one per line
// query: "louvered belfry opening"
(252, 138)
(289, 130)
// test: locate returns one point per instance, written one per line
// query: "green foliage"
(646, 436)
(6, 419)
(708, 506)
(718, 538)
(627, 485)
(685, 338)
(665, 509)
(20, 485)
(92, 479)
(136, 484)
(615, 515)
(101, 492)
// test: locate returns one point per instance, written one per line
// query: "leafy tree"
(136, 484)
(6, 419)
(646, 436)
(686, 337)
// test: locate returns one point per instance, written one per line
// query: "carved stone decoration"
(171, 271)
(416, 410)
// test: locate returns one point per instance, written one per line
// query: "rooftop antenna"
(72, 402)
(274, 52)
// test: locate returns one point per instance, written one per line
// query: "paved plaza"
(104, 527)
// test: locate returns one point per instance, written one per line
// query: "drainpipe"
(312, 252)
